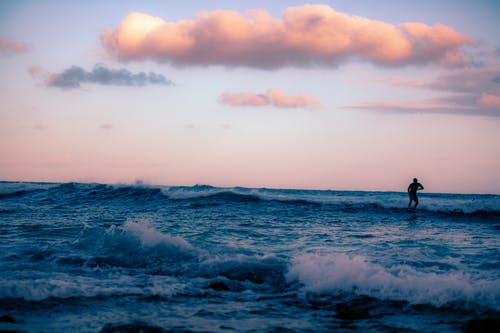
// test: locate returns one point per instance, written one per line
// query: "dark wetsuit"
(412, 192)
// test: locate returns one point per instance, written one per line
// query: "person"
(412, 192)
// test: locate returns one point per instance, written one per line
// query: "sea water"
(94, 257)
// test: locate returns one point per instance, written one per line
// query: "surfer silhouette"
(412, 192)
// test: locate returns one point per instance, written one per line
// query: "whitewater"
(128, 258)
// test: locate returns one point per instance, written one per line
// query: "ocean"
(137, 258)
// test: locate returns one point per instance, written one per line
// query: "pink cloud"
(9, 46)
(282, 100)
(305, 35)
(461, 80)
(474, 90)
(467, 80)
(244, 99)
(274, 97)
(464, 104)
(433, 106)
(489, 101)
(38, 73)
(436, 43)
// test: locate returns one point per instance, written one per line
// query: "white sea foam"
(62, 286)
(182, 193)
(148, 236)
(340, 274)
(134, 244)
(350, 199)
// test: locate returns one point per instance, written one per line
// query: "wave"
(137, 259)
(109, 279)
(446, 206)
(134, 245)
(19, 189)
(131, 259)
(138, 245)
(101, 192)
(245, 271)
(442, 205)
(16, 194)
(63, 286)
(229, 196)
(342, 274)
(482, 206)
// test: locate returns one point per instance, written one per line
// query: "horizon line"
(142, 183)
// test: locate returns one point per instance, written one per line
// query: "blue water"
(82, 257)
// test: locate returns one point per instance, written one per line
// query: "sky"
(341, 95)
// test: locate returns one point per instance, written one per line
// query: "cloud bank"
(73, 77)
(489, 101)
(9, 47)
(273, 97)
(472, 91)
(309, 35)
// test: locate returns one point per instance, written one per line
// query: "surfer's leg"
(416, 202)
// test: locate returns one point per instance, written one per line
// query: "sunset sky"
(344, 95)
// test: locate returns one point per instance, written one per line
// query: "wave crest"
(444, 205)
(135, 244)
(150, 237)
(343, 274)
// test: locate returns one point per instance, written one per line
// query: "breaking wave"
(136, 258)
(342, 274)
(451, 205)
